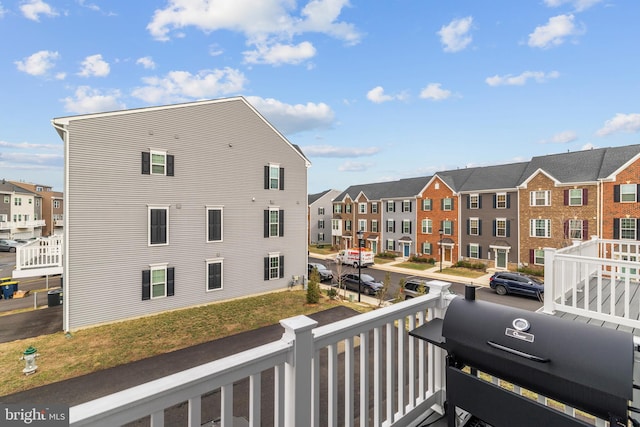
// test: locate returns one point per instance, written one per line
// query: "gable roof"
(497, 177)
(9, 187)
(312, 198)
(409, 187)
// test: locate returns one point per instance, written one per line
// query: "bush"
(313, 288)
(422, 260)
(536, 271)
(471, 265)
(388, 255)
(332, 293)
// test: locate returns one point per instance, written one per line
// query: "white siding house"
(175, 206)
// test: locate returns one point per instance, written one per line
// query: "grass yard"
(420, 266)
(66, 356)
(463, 272)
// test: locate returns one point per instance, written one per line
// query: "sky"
(371, 90)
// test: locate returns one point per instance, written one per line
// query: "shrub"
(532, 271)
(389, 255)
(313, 288)
(332, 293)
(471, 265)
(422, 260)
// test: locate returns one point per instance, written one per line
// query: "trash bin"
(7, 291)
(54, 297)
(14, 287)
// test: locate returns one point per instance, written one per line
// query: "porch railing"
(41, 257)
(365, 370)
(599, 279)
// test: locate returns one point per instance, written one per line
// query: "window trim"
(268, 267)
(208, 224)
(533, 199)
(533, 228)
(209, 262)
(477, 226)
(362, 208)
(634, 193)
(473, 246)
(474, 201)
(570, 197)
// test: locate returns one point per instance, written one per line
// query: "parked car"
(323, 271)
(370, 286)
(414, 287)
(7, 245)
(516, 283)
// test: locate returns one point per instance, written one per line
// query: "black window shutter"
(170, 163)
(637, 228)
(266, 268)
(410, 227)
(566, 197)
(281, 223)
(585, 229)
(146, 163)
(566, 228)
(494, 228)
(281, 275)
(410, 207)
(508, 228)
(468, 207)
(282, 178)
(266, 177)
(146, 284)
(495, 201)
(453, 203)
(532, 256)
(170, 281)
(468, 227)
(441, 204)
(479, 201)
(479, 227)
(585, 197)
(479, 251)
(508, 201)
(616, 193)
(394, 229)
(266, 223)
(616, 228)
(468, 251)
(638, 193)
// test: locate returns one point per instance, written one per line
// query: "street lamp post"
(441, 233)
(360, 234)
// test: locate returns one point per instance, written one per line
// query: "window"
(214, 224)
(320, 237)
(391, 226)
(474, 226)
(474, 250)
(320, 211)
(273, 177)
(335, 224)
(538, 256)
(347, 208)
(540, 198)
(273, 267)
(447, 204)
(427, 226)
(321, 223)
(540, 228)
(362, 225)
(39, 188)
(474, 201)
(157, 163)
(406, 206)
(3, 218)
(337, 208)
(426, 248)
(447, 227)
(628, 192)
(426, 204)
(17, 201)
(347, 225)
(158, 225)
(502, 201)
(406, 226)
(574, 229)
(56, 204)
(273, 222)
(391, 245)
(30, 200)
(362, 208)
(7, 199)
(391, 206)
(374, 225)
(37, 202)
(214, 274)
(158, 282)
(628, 228)
(574, 197)
(374, 207)
(501, 227)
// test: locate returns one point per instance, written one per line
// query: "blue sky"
(371, 90)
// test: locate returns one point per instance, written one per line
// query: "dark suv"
(516, 283)
(324, 272)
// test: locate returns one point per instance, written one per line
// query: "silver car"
(7, 245)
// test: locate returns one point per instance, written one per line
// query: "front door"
(501, 258)
(374, 246)
(406, 251)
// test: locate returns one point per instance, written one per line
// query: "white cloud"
(39, 63)
(561, 138)
(554, 33)
(455, 36)
(270, 25)
(621, 123)
(34, 8)
(435, 92)
(29, 146)
(519, 80)
(354, 166)
(94, 65)
(333, 151)
(290, 119)
(88, 100)
(579, 5)
(181, 86)
(377, 96)
(146, 62)
(277, 54)
(3, 11)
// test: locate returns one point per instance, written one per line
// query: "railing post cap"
(298, 323)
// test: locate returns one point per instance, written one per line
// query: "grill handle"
(518, 352)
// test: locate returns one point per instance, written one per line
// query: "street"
(482, 293)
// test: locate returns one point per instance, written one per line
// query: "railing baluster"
(254, 400)
(401, 335)
(348, 382)
(364, 379)
(226, 405)
(389, 374)
(332, 385)
(157, 419)
(195, 412)
(377, 376)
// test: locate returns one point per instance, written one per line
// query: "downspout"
(64, 134)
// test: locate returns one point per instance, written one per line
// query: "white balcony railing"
(42, 256)
(398, 378)
(597, 279)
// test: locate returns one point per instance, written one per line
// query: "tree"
(386, 284)
(313, 287)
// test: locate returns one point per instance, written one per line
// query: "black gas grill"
(587, 367)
